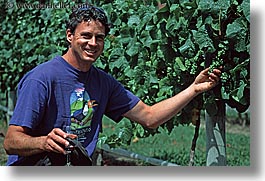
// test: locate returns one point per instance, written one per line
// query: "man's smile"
(90, 52)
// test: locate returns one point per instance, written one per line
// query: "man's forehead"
(91, 25)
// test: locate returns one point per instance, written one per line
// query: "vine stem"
(194, 140)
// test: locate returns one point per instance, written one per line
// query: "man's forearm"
(166, 109)
(21, 144)
(157, 114)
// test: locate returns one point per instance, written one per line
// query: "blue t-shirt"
(56, 95)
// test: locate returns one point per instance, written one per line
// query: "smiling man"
(70, 92)
(86, 44)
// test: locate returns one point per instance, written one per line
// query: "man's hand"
(55, 141)
(206, 81)
(18, 141)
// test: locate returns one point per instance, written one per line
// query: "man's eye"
(100, 38)
(86, 37)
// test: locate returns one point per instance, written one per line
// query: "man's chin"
(89, 59)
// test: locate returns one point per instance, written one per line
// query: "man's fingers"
(59, 132)
(54, 147)
(214, 77)
(205, 71)
(56, 140)
(218, 72)
(72, 136)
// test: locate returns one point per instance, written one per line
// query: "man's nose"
(92, 41)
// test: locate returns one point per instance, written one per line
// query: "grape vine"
(155, 49)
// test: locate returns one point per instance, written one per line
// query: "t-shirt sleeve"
(120, 101)
(30, 103)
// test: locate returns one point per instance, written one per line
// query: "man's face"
(87, 42)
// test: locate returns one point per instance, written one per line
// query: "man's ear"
(69, 36)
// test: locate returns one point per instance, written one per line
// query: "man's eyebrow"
(101, 35)
(88, 34)
(85, 33)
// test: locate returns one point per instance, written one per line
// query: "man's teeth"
(90, 51)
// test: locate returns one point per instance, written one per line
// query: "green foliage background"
(155, 48)
(173, 148)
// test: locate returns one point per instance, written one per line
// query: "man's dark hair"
(86, 13)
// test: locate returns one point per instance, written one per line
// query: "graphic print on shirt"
(82, 109)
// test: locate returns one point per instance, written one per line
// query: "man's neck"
(75, 62)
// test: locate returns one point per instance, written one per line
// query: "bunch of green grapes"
(221, 54)
(226, 81)
(218, 61)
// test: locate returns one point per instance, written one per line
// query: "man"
(69, 92)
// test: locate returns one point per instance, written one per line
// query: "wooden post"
(215, 125)
(215, 137)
